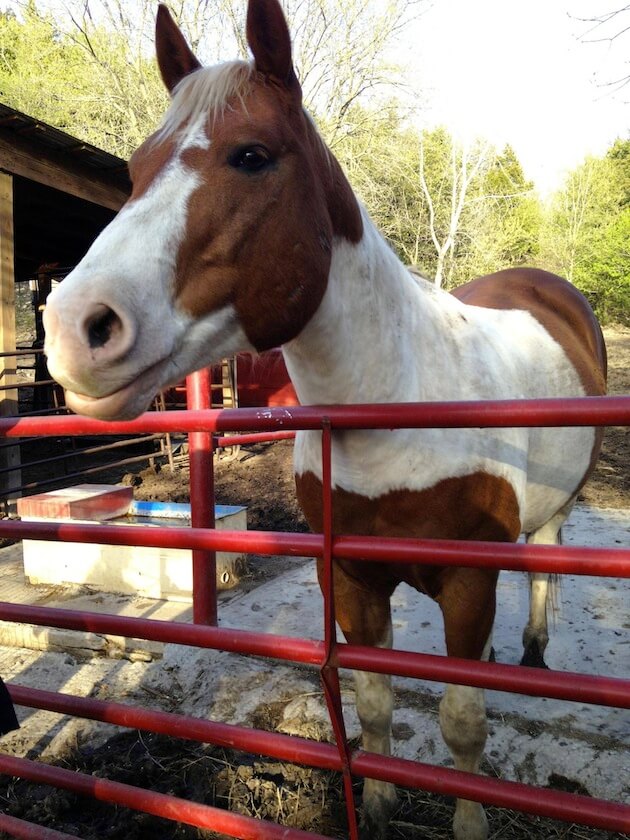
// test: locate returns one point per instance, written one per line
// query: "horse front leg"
(467, 601)
(364, 615)
(375, 703)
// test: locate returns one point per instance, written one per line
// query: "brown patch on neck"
(342, 203)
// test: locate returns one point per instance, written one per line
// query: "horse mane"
(204, 94)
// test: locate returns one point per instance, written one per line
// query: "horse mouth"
(125, 403)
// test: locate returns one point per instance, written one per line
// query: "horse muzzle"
(89, 344)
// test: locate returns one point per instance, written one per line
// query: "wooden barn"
(56, 194)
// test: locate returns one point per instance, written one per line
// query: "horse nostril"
(104, 325)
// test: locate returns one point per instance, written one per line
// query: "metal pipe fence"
(38, 395)
(328, 655)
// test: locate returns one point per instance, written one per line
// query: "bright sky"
(518, 73)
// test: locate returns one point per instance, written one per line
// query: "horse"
(242, 233)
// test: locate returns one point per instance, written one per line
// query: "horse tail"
(554, 598)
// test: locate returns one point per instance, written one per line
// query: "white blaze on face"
(113, 364)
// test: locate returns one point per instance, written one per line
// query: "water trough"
(160, 573)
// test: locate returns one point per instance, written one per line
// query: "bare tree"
(340, 49)
(609, 27)
(465, 163)
(340, 46)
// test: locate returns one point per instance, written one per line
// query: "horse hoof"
(376, 813)
(470, 821)
(533, 657)
(369, 829)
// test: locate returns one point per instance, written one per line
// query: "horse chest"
(477, 506)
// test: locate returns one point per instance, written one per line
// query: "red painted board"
(84, 501)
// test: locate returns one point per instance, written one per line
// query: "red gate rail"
(585, 810)
(158, 804)
(560, 559)
(560, 685)
(28, 831)
(256, 437)
(327, 655)
(582, 411)
(570, 807)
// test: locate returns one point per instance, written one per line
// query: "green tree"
(87, 83)
(448, 173)
(454, 213)
(418, 186)
(585, 234)
(503, 222)
(96, 75)
(379, 152)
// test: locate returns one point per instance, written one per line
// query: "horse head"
(225, 242)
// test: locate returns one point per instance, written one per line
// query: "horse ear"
(270, 42)
(174, 56)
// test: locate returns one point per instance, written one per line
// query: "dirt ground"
(294, 796)
(261, 477)
(609, 486)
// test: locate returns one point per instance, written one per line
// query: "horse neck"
(366, 341)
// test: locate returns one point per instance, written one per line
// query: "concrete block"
(160, 573)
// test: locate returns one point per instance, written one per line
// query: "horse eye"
(251, 159)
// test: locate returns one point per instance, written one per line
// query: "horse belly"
(559, 462)
(543, 469)
(418, 483)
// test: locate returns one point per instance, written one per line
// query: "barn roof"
(21, 125)
(64, 191)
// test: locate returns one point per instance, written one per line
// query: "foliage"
(380, 155)
(88, 84)
(453, 212)
(504, 219)
(586, 234)
(96, 77)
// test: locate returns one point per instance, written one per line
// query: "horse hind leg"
(536, 633)
(542, 588)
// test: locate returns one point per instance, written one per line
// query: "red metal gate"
(329, 655)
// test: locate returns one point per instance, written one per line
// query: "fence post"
(200, 449)
(9, 456)
(329, 671)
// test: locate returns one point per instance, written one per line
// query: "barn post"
(9, 455)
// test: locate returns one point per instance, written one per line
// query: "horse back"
(557, 305)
